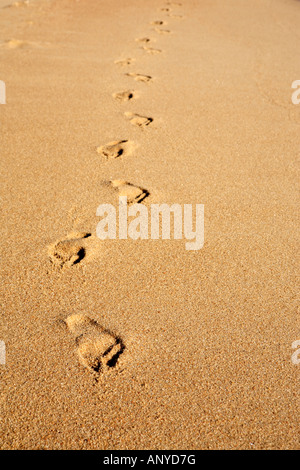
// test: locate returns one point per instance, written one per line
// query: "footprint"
(143, 40)
(19, 43)
(98, 348)
(25, 3)
(166, 9)
(69, 251)
(137, 120)
(15, 44)
(116, 149)
(176, 17)
(124, 95)
(158, 23)
(162, 31)
(174, 4)
(134, 194)
(138, 77)
(152, 50)
(124, 62)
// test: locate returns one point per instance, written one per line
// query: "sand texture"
(124, 344)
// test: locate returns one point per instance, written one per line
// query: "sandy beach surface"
(192, 103)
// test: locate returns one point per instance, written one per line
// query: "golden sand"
(126, 344)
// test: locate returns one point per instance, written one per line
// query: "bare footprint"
(98, 348)
(124, 62)
(158, 23)
(152, 50)
(20, 44)
(25, 3)
(15, 44)
(134, 194)
(124, 95)
(69, 251)
(116, 149)
(143, 40)
(138, 120)
(162, 31)
(138, 77)
(176, 17)
(174, 4)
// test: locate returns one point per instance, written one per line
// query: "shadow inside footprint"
(112, 362)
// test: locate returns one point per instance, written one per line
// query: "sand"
(124, 344)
